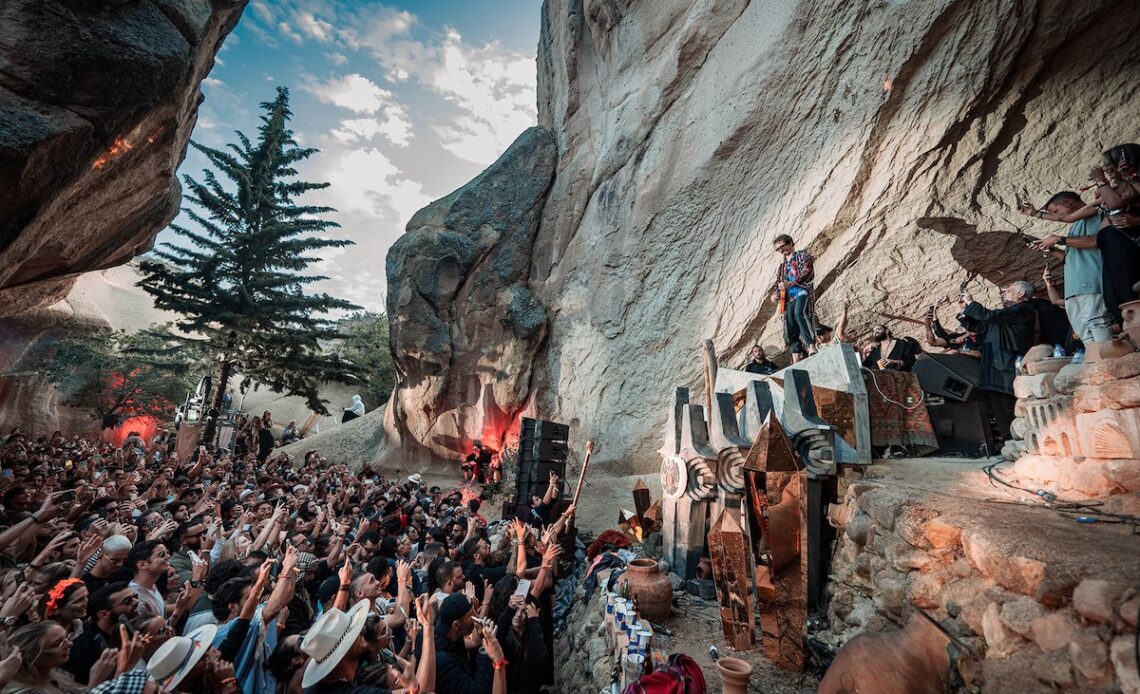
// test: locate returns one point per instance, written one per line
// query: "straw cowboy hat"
(330, 639)
(177, 657)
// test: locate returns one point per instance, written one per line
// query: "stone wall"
(1077, 432)
(1038, 602)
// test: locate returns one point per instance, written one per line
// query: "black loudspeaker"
(951, 376)
(543, 449)
(965, 428)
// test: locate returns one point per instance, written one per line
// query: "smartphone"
(131, 631)
(194, 557)
(69, 495)
(524, 587)
(167, 515)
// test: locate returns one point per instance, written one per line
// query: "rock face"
(465, 328)
(97, 101)
(891, 139)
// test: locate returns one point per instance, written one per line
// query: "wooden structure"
(732, 572)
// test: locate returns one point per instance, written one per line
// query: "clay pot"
(652, 588)
(704, 568)
(734, 675)
(1131, 313)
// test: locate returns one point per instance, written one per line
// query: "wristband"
(343, 586)
(1062, 241)
(197, 584)
(35, 519)
(499, 665)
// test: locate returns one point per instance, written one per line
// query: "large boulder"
(891, 139)
(465, 328)
(97, 101)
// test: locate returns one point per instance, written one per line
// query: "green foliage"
(238, 280)
(365, 346)
(121, 375)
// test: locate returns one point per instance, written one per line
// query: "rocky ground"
(1045, 603)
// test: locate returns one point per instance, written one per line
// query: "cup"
(659, 651)
(632, 666)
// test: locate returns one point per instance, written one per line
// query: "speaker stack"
(543, 449)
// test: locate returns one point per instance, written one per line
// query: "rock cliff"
(892, 139)
(97, 101)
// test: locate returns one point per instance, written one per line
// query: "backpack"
(681, 676)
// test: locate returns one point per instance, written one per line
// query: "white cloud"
(263, 11)
(395, 128)
(288, 32)
(365, 180)
(337, 58)
(495, 92)
(353, 92)
(315, 28)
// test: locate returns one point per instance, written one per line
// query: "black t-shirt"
(761, 367)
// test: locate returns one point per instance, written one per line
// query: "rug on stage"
(898, 412)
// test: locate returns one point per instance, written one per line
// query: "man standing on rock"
(795, 292)
(1084, 300)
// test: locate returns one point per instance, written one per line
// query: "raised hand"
(552, 552)
(131, 650)
(264, 570)
(403, 573)
(289, 563)
(104, 667)
(10, 665)
(88, 549)
(425, 612)
(345, 572)
(469, 591)
(491, 644)
(20, 602)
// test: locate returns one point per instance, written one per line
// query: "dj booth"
(966, 420)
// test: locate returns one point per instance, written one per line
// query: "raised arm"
(1055, 297)
(841, 326)
(286, 585)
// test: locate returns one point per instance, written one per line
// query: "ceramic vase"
(734, 675)
(654, 593)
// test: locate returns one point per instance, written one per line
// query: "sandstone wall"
(892, 139)
(97, 101)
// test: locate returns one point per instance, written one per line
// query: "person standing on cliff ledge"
(795, 291)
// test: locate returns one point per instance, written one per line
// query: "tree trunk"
(216, 402)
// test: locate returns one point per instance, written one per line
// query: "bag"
(681, 676)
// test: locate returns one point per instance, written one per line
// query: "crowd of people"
(1101, 255)
(126, 569)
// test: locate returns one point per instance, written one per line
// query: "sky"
(406, 101)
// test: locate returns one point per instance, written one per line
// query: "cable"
(911, 408)
(1086, 509)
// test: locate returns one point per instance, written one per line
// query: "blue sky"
(406, 101)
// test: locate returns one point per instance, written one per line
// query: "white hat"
(416, 478)
(329, 640)
(177, 657)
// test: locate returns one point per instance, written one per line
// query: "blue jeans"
(800, 331)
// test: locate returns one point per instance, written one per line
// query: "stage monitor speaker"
(542, 429)
(951, 376)
(964, 428)
(542, 450)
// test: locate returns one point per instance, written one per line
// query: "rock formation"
(892, 139)
(97, 101)
(465, 328)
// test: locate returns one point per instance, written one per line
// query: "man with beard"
(760, 364)
(106, 605)
(190, 540)
(457, 672)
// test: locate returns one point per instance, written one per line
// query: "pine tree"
(238, 282)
